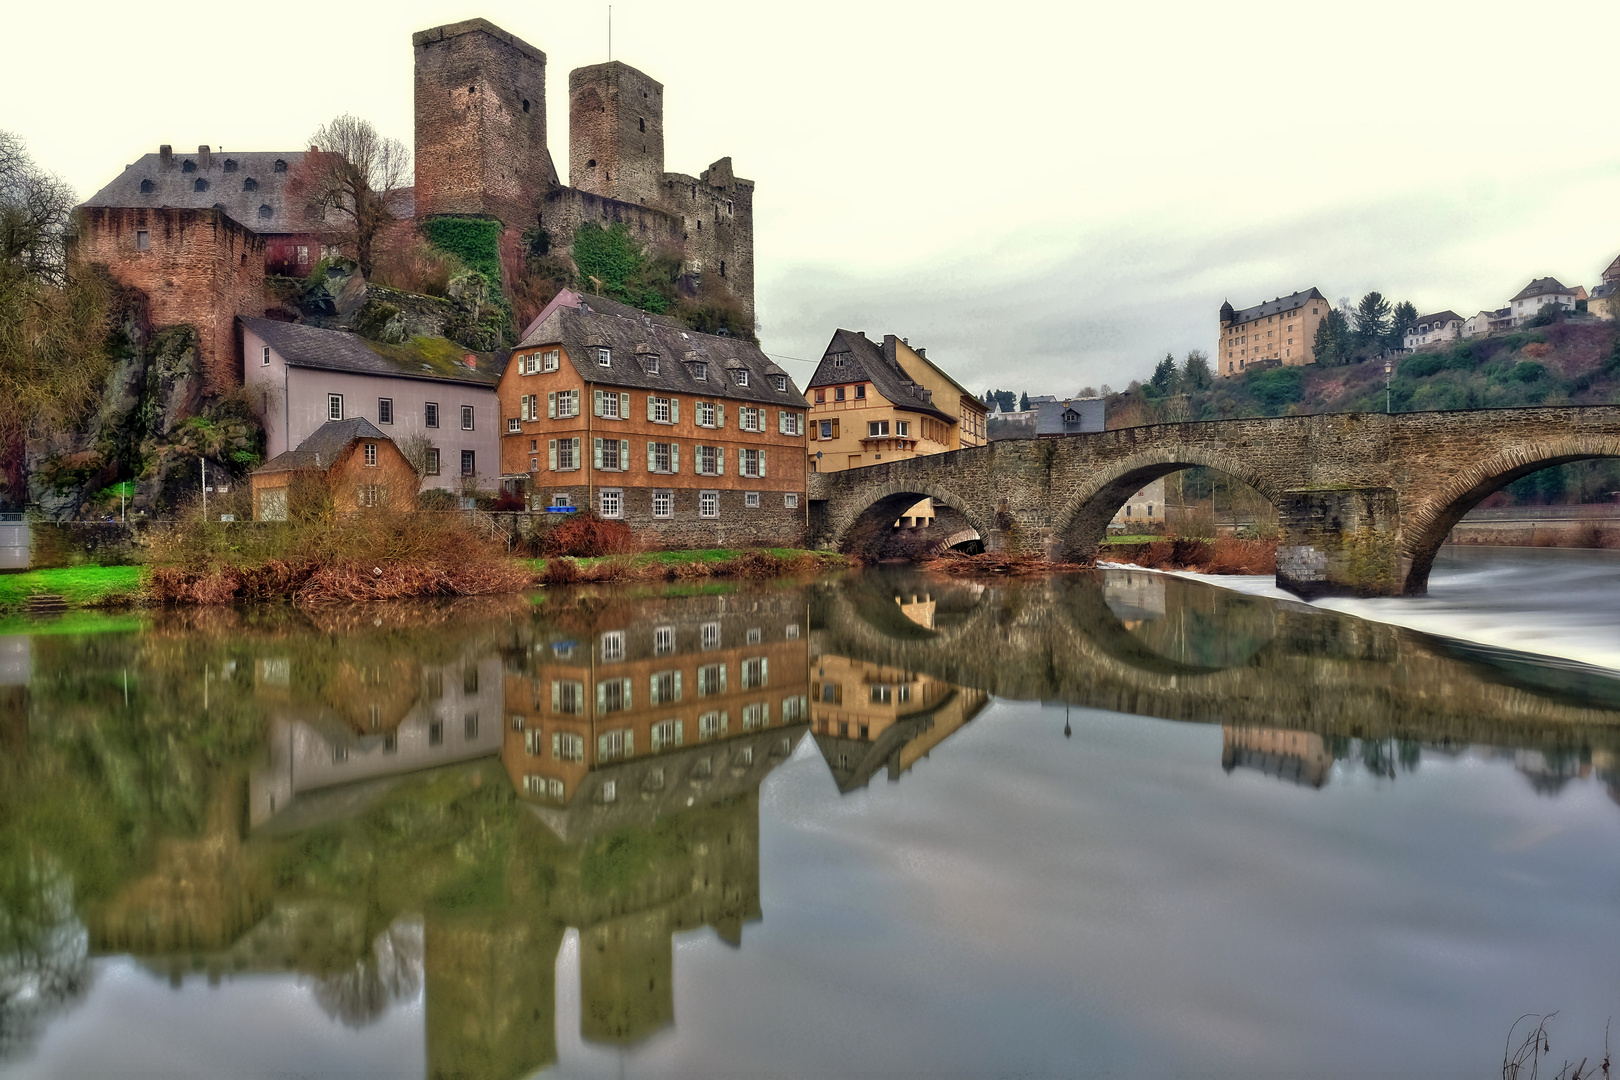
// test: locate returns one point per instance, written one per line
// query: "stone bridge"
(1364, 500)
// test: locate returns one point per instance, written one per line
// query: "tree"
(349, 175)
(36, 212)
(1195, 372)
(1164, 375)
(1332, 344)
(1403, 319)
(1023, 402)
(1372, 319)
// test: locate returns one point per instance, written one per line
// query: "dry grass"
(586, 536)
(995, 563)
(751, 565)
(1223, 555)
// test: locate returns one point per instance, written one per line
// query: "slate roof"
(338, 350)
(172, 185)
(851, 357)
(324, 446)
(1544, 286)
(1606, 290)
(1049, 416)
(631, 336)
(1279, 306)
(1435, 321)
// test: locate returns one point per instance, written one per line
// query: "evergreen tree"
(1404, 317)
(1164, 375)
(1332, 344)
(1372, 320)
(1023, 402)
(1195, 373)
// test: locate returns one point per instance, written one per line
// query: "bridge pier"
(1339, 542)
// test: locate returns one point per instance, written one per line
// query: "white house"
(1529, 301)
(1433, 329)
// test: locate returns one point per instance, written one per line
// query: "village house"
(1487, 322)
(302, 377)
(1070, 416)
(889, 402)
(1433, 329)
(693, 439)
(1283, 329)
(1528, 301)
(348, 461)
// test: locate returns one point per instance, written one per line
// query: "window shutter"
(556, 745)
(762, 464)
(556, 697)
(719, 415)
(624, 406)
(677, 686)
(551, 451)
(551, 405)
(680, 735)
(627, 707)
(781, 423)
(764, 713)
(601, 747)
(725, 722)
(652, 690)
(596, 448)
(624, 455)
(764, 672)
(719, 461)
(674, 457)
(722, 678)
(576, 451)
(835, 429)
(649, 406)
(674, 410)
(629, 736)
(601, 699)
(596, 401)
(652, 460)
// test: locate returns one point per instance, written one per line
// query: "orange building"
(352, 461)
(695, 439)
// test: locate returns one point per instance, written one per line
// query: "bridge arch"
(1427, 525)
(1083, 521)
(888, 501)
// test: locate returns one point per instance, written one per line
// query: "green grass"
(1145, 538)
(80, 586)
(701, 555)
(74, 623)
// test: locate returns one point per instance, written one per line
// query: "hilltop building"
(1071, 416)
(888, 402)
(1528, 301)
(1443, 326)
(1283, 330)
(692, 438)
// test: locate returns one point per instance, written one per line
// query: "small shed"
(350, 461)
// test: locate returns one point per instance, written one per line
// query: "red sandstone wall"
(200, 269)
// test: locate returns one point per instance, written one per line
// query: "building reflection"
(1300, 757)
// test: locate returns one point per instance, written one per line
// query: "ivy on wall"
(475, 241)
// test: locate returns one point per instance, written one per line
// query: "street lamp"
(1389, 369)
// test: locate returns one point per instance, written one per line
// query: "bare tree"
(36, 212)
(417, 450)
(350, 174)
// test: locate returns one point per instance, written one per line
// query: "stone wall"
(771, 524)
(616, 132)
(199, 268)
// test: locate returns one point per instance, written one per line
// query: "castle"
(197, 233)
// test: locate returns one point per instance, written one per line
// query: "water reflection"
(419, 801)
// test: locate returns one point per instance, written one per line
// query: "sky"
(1046, 196)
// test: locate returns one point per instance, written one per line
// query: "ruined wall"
(616, 132)
(197, 267)
(480, 123)
(716, 212)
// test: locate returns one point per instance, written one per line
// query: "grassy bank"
(78, 586)
(1222, 555)
(755, 563)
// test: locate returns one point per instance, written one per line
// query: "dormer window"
(230, 164)
(147, 187)
(780, 381)
(281, 166)
(604, 357)
(250, 184)
(700, 372)
(265, 213)
(838, 362)
(199, 184)
(188, 166)
(650, 363)
(741, 375)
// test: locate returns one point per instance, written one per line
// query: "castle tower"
(616, 132)
(480, 123)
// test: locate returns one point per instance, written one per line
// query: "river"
(1118, 823)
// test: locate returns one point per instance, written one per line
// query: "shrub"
(1526, 371)
(1278, 387)
(584, 535)
(508, 500)
(1537, 350)
(475, 241)
(1421, 367)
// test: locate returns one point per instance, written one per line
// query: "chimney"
(923, 353)
(166, 156)
(204, 158)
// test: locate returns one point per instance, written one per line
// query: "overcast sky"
(1047, 196)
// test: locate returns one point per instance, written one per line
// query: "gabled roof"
(1440, 317)
(892, 353)
(632, 336)
(1544, 286)
(436, 359)
(1612, 273)
(1279, 306)
(850, 358)
(172, 185)
(324, 446)
(1052, 417)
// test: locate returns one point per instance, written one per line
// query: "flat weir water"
(1107, 824)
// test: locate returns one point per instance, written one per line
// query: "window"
(560, 404)
(564, 454)
(567, 697)
(330, 252)
(662, 410)
(663, 504)
(791, 632)
(860, 391)
(754, 673)
(882, 695)
(430, 414)
(827, 429)
(821, 396)
(604, 357)
(793, 709)
(518, 721)
(202, 185)
(666, 733)
(280, 165)
(877, 428)
(709, 504)
(711, 460)
(612, 502)
(709, 635)
(754, 636)
(143, 240)
(466, 418)
(755, 716)
(666, 686)
(711, 679)
(838, 393)
(779, 381)
(612, 455)
(748, 419)
(549, 359)
(614, 744)
(566, 747)
(903, 427)
(700, 372)
(371, 455)
(265, 212)
(790, 500)
(663, 457)
(303, 254)
(707, 414)
(664, 640)
(612, 406)
(649, 363)
(469, 463)
(334, 406)
(613, 645)
(752, 462)
(469, 726)
(751, 500)
(390, 743)
(610, 791)
(612, 695)
(741, 375)
(712, 724)
(790, 423)
(436, 733)
(264, 356)
(433, 461)
(147, 187)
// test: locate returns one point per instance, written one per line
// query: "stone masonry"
(1364, 500)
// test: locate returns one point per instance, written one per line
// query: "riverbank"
(1221, 555)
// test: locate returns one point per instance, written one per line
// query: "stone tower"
(616, 133)
(480, 123)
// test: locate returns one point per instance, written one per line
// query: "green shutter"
(674, 410)
(629, 736)
(624, 455)
(576, 451)
(719, 415)
(764, 671)
(556, 696)
(649, 406)
(762, 464)
(652, 689)
(674, 457)
(596, 452)
(719, 461)
(722, 678)
(551, 450)
(680, 735)
(551, 405)
(652, 460)
(601, 698)
(601, 747)
(677, 686)
(627, 708)
(624, 406)
(596, 400)
(556, 745)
